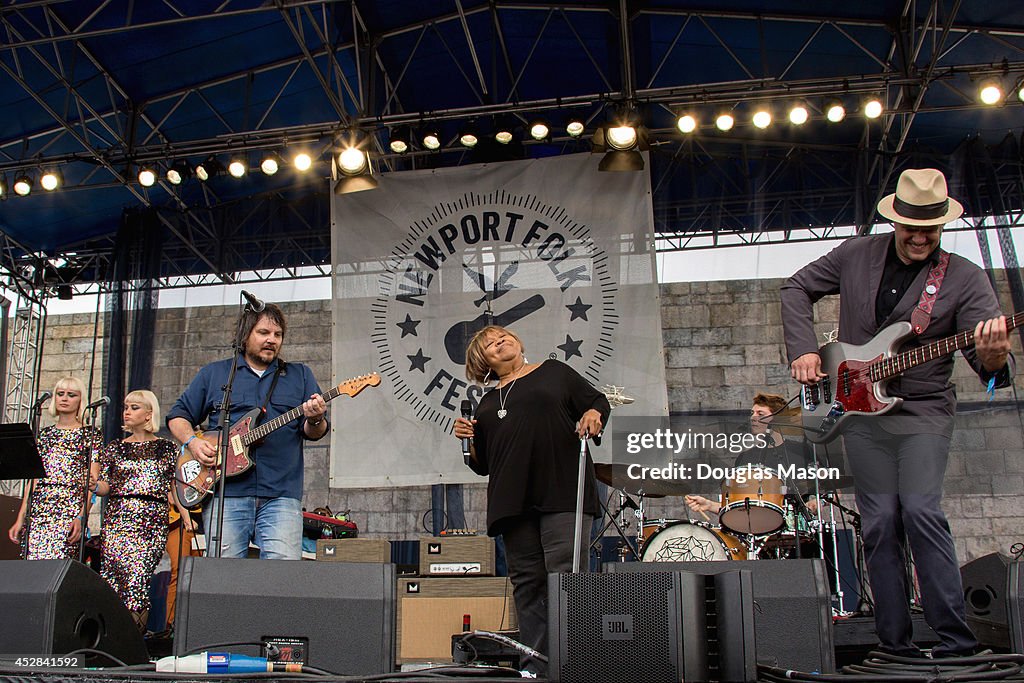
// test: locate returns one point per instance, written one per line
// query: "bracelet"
(317, 423)
(188, 441)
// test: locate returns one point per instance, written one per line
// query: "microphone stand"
(222, 447)
(580, 486)
(85, 478)
(37, 412)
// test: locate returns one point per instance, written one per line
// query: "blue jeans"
(273, 524)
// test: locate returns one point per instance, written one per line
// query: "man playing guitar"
(899, 459)
(263, 503)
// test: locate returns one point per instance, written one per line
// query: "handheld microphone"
(467, 412)
(256, 305)
(99, 403)
(43, 398)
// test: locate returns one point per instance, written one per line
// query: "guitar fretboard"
(890, 367)
(281, 420)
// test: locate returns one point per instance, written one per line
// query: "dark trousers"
(535, 546)
(899, 494)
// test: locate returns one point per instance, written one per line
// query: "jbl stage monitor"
(337, 616)
(59, 606)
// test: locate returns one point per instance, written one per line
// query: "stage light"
(23, 185)
(873, 108)
(686, 123)
(991, 92)
(270, 164)
(49, 180)
(210, 168)
(762, 118)
(1020, 89)
(302, 161)
(835, 111)
(539, 130)
(399, 141)
(3, 187)
(503, 136)
(575, 127)
(798, 114)
(354, 164)
(179, 172)
(468, 135)
(431, 139)
(622, 138)
(147, 176)
(352, 160)
(725, 121)
(237, 167)
(621, 141)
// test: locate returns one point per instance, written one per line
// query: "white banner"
(553, 249)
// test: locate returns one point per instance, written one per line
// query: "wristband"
(317, 423)
(188, 441)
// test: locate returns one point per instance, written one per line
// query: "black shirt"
(896, 279)
(532, 454)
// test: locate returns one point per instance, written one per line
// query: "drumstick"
(704, 515)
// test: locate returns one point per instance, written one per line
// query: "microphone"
(99, 403)
(467, 412)
(43, 397)
(256, 305)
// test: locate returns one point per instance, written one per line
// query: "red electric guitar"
(193, 481)
(858, 375)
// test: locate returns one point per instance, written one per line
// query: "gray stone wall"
(723, 343)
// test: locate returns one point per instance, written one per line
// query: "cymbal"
(617, 476)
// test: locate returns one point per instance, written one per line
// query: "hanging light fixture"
(178, 172)
(835, 111)
(575, 126)
(147, 176)
(354, 171)
(540, 130)
(400, 140)
(621, 139)
(302, 162)
(23, 185)
(50, 179)
(873, 107)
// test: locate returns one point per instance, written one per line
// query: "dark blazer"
(854, 270)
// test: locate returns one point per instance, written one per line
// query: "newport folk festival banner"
(551, 248)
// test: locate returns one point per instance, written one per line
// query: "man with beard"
(263, 504)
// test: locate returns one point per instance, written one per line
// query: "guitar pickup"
(826, 390)
(810, 397)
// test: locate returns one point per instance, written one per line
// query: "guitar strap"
(922, 314)
(280, 371)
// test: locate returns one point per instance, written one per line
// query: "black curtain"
(131, 311)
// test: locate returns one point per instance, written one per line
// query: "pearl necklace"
(501, 400)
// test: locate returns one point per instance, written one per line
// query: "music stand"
(19, 457)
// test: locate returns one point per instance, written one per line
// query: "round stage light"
(352, 161)
(302, 161)
(686, 123)
(873, 108)
(147, 177)
(762, 119)
(725, 122)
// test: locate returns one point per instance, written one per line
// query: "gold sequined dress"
(135, 516)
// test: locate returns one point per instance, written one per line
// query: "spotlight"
(762, 118)
(798, 114)
(147, 176)
(686, 123)
(503, 136)
(399, 143)
(49, 180)
(575, 127)
(178, 172)
(303, 162)
(539, 130)
(210, 168)
(356, 172)
(622, 143)
(873, 108)
(237, 168)
(352, 161)
(270, 164)
(23, 185)
(468, 135)
(431, 139)
(991, 92)
(725, 121)
(835, 111)
(622, 138)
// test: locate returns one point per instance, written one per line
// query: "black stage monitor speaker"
(650, 627)
(337, 616)
(985, 598)
(792, 607)
(52, 607)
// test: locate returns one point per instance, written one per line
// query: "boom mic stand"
(224, 425)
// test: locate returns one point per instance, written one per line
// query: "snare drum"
(692, 542)
(755, 506)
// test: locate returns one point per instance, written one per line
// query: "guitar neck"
(890, 367)
(269, 426)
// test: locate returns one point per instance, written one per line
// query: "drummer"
(777, 452)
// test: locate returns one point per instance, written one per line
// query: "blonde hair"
(477, 368)
(74, 384)
(146, 397)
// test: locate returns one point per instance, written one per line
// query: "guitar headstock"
(351, 387)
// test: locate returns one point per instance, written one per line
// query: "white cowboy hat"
(921, 198)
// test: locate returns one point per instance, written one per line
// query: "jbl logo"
(617, 626)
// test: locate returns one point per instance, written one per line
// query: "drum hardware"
(754, 506)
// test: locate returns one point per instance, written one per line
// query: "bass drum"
(692, 542)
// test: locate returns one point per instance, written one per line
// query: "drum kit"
(759, 519)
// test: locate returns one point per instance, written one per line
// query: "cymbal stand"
(625, 546)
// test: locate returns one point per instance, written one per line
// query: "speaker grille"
(590, 656)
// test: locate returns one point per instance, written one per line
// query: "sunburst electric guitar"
(193, 481)
(858, 376)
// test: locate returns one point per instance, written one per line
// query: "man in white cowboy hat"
(899, 459)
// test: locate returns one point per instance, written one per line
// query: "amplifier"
(456, 555)
(354, 550)
(431, 610)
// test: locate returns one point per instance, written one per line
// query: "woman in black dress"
(526, 436)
